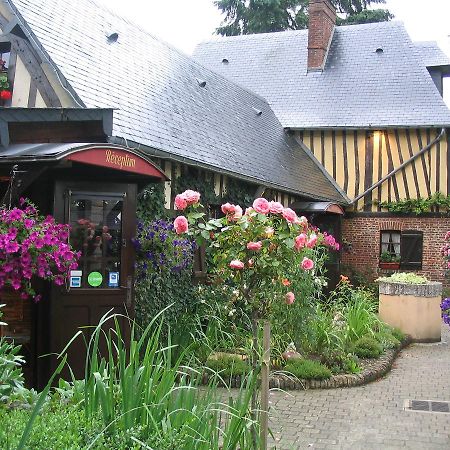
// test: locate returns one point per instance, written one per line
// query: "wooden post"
(264, 431)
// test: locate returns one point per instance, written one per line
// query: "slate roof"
(431, 54)
(160, 104)
(358, 88)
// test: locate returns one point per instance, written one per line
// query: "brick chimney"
(322, 19)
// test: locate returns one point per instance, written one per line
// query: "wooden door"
(103, 222)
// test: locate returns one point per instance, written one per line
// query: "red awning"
(111, 156)
(114, 157)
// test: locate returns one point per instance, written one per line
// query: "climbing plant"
(418, 206)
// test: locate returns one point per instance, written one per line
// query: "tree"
(266, 16)
(261, 253)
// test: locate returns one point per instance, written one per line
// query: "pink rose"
(249, 211)
(228, 208)
(312, 241)
(275, 207)
(289, 298)
(261, 205)
(181, 225)
(236, 264)
(307, 264)
(289, 214)
(191, 197)
(302, 221)
(180, 202)
(254, 246)
(300, 241)
(237, 213)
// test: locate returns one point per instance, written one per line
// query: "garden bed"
(372, 369)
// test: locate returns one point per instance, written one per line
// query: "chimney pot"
(322, 20)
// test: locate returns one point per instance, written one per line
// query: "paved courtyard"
(371, 416)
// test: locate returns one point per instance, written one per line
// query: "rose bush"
(33, 246)
(258, 251)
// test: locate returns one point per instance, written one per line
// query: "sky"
(185, 23)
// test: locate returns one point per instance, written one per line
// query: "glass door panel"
(96, 232)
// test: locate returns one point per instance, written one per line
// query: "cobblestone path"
(371, 416)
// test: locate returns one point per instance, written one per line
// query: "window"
(5, 51)
(390, 242)
(406, 244)
(96, 232)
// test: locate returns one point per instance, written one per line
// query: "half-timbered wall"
(357, 159)
(174, 170)
(33, 79)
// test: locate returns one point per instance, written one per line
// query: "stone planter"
(413, 308)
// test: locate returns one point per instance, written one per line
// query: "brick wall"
(363, 233)
(17, 315)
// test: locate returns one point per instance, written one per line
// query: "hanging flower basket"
(32, 246)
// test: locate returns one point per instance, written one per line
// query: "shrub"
(307, 369)
(386, 340)
(404, 277)
(398, 334)
(367, 347)
(228, 365)
(163, 273)
(11, 377)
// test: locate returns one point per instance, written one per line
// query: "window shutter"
(411, 250)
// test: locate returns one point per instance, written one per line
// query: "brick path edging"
(380, 367)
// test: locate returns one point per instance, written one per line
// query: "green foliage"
(4, 83)
(266, 16)
(388, 257)
(55, 428)
(340, 362)
(367, 16)
(150, 203)
(386, 340)
(360, 315)
(138, 397)
(367, 347)
(11, 377)
(361, 278)
(419, 206)
(398, 334)
(228, 365)
(157, 291)
(404, 277)
(323, 334)
(307, 369)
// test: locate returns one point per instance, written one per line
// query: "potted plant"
(389, 261)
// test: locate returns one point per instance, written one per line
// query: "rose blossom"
(289, 298)
(307, 264)
(275, 207)
(236, 264)
(312, 241)
(180, 202)
(269, 232)
(254, 246)
(191, 197)
(300, 241)
(261, 205)
(249, 211)
(181, 225)
(228, 208)
(289, 214)
(302, 220)
(285, 282)
(237, 213)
